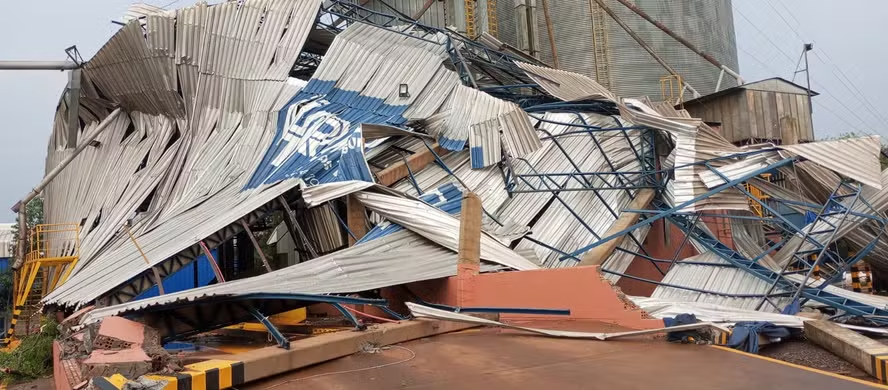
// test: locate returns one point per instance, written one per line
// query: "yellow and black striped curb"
(880, 366)
(208, 375)
(16, 312)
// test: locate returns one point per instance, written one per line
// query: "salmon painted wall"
(657, 246)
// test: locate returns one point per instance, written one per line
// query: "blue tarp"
(745, 335)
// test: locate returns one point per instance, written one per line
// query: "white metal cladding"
(438, 226)
(398, 258)
(556, 226)
(6, 240)
(694, 142)
(717, 278)
(187, 152)
(713, 312)
(567, 86)
(856, 158)
(876, 198)
(421, 311)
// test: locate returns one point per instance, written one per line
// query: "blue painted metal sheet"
(318, 136)
(183, 279)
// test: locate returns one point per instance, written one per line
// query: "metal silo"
(588, 41)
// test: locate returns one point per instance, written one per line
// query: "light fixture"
(403, 90)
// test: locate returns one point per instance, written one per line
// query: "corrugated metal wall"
(572, 29)
(708, 24)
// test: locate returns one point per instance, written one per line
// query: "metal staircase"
(752, 266)
(53, 254)
(492, 20)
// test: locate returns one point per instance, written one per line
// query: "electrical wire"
(836, 71)
(825, 107)
(412, 356)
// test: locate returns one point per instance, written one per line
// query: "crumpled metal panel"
(438, 226)
(397, 260)
(567, 86)
(857, 158)
(420, 311)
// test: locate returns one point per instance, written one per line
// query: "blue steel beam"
(768, 275)
(282, 341)
(679, 207)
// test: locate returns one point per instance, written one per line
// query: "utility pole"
(808, 47)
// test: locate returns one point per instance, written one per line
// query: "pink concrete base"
(582, 290)
(123, 329)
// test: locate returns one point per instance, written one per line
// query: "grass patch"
(33, 357)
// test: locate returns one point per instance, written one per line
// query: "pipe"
(58, 169)
(680, 39)
(643, 44)
(425, 7)
(38, 65)
(21, 206)
(551, 34)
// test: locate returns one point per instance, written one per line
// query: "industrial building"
(415, 180)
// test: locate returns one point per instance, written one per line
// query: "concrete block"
(864, 352)
(122, 329)
(270, 361)
(130, 363)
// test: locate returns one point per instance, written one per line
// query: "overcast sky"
(847, 66)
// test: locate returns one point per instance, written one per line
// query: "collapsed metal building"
(361, 132)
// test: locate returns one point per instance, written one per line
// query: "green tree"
(35, 217)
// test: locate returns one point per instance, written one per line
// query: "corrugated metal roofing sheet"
(857, 158)
(395, 260)
(567, 86)
(438, 226)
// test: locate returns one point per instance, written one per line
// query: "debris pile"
(388, 154)
(115, 345)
